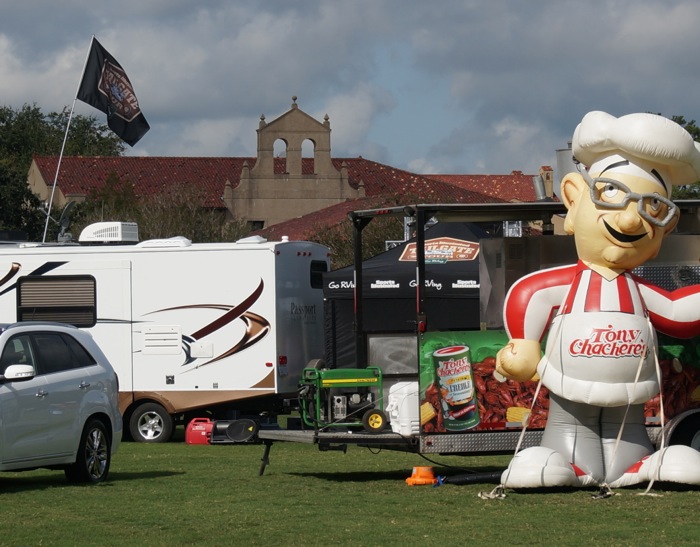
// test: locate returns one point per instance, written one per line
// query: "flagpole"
(63, 146)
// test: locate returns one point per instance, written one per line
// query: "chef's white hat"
(641, 144)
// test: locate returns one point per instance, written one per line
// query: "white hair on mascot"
(599, 319)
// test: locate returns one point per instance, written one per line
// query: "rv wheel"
(374, 421)
(151, 423)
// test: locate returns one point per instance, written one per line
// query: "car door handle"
(84, 385)
(41, 393)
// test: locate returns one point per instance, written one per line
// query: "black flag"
(106, 86)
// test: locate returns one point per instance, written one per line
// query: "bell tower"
(276, 189)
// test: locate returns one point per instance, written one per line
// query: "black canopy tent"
(476, 213)
(389, 304)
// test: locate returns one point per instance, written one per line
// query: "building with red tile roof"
(516, 186)
(270, 189)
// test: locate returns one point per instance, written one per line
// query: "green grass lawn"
(178, 494)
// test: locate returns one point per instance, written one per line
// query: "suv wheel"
(94, 455)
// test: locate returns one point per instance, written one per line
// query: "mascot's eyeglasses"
(612, 194)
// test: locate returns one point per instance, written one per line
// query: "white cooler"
(403, 408)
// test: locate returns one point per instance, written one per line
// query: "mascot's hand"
(518, 359)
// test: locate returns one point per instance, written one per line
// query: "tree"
(690, 126)
(339, 239)
(19, 208)
(26, 132)
(177, 210)
(114, 200)
(689, 191)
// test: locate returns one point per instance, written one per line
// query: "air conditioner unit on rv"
(110, 232)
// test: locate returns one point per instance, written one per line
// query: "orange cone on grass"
(421, 475)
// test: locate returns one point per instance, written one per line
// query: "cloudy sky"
(468, 86)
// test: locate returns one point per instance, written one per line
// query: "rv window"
(317, 269)
(67, 299)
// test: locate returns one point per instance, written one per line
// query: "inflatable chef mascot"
(599, 319)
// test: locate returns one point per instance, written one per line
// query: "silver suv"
(58, 402)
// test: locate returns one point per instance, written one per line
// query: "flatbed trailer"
(483, 443)
(677, 262)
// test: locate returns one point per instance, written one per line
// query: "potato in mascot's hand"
(518, 359)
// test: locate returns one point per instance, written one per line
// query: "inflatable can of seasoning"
(453, 369)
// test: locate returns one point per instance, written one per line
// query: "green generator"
(343, 398)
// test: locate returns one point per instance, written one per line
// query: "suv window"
(80, 354)
(57, 352)
(17, 351)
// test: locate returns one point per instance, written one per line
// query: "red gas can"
(198, 431)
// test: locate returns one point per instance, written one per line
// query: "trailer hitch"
(265, 457)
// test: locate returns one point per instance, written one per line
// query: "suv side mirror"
(16, 373)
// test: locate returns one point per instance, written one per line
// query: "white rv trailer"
(189, 327)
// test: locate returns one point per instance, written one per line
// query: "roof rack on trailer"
(469, 212)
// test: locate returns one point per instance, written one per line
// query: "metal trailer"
(502, 261)
(193, 329)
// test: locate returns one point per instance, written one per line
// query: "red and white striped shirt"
(533, 301)
(600, 345)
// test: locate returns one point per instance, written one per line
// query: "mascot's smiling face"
(619, 209)
(618, 219)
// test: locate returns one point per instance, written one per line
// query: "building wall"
(37, 184)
